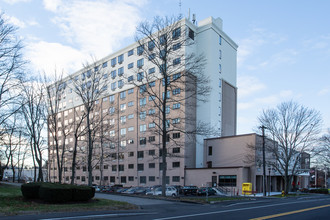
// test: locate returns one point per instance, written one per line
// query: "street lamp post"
(263, 159)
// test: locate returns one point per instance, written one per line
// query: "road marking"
(290, 213)
(234, 210)
(244, 203)
(101, 216)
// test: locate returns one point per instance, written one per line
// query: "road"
(304, 207)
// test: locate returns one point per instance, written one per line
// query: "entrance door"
(214, 181)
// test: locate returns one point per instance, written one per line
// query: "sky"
(283, 53)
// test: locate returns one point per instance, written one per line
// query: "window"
(83, 178)
(167, 95)
(151, 70)
(176, 46)
(131, 103)
(131, 178)
(130, 52)
(143, 179)
(84, 169)
(114, 168)
(123, 179)
(131, 154)
(143, 89)
(113, 74)
(105, 178)
(151, 138)
(140, 166)
(129, 79)
(152, 125)
(123, 94)
(162, 68)
(219, 68)
(152, 165)
(220, 39)
(152, 98)
(112, 179)
(121, 167)
(162, 39)
(143, 128)
(191, 34)
(175, 164)
(151, 56)
(140, 76)
(176, 91)
(139, 63)
(131, 116)
(122, 119)
(162, 54)
(130, 65)
(140, 154)
(120, 58)
(130, 91)
(151, 111)
(143, 141)
(105, 64)
(151, 45)
(167, 109)
(104, 99)
(176, 150)
(112, 133)
(152, 178)
(130, 141)
(131, 128)
(152, 84)
(105, 76)
(130, 166)
(176, 135)
(176, 61)
(227, 180)
(114, 61)
(176, 33)
(89, 73)
(106, 167)
(175, 120)
(140, 49)
(112, 98)
(175, 178)
(176, 106)
(151, 152)
(220, 83)
(220, 54)
(143, 115)
(210, 151)
(120, 83)
(120, 71)
(113, 86)
(143, 101)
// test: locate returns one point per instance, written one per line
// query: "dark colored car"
(189, 190)
(203, 190)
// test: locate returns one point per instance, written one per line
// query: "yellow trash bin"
(247, 188)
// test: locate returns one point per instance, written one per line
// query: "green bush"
(322, 191)
(83, 193)
(31, 190)
(55, 193)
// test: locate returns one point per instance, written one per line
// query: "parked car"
(189, 190)
(203, 190)
(170, 191)
(178, 188)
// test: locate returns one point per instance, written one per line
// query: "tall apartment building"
(130, 147)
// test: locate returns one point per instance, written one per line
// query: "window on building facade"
(140, 167)
(130, 166)
(191, 34)
(176, 46)
(129, 79)
(112, 179)
(140, 76)
(143, 141)
(152, 125)
(162, 39)
(220, 39)
(123, 95)
(105, 64)
(131, 154)
(176, 33)
(151, 70)
(143, 128)
(130, 104)
(112, 98)
(121, 58)
(176, 91)
(175, 178)
(143, 101)
(210, 151)
(130, 65)
(176, 121)
(176, 150)
(120, 83)
(152, 84)
(227, 180)
(130, 116)
(120, 71)
(121, 167)
(140, 49)
(131, 178)
(122, 107)
(123, 179)
(151, 111)
(152, 179)
(152, 165)
(143, 179)
(113, 74)
(176, 61)
(130, 52)
(175, 164)
(176, 106)
(152, 138)
(143, 89)
(151, 56)
(143, 115)
(140, 63)
(220, 69)
(151, 152)
(114, 61)
(114, 168)
(176, 135)
(151, 45)
(113, 86)
(123, 131)
(140, 154)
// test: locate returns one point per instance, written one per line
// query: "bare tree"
(295, 128)
(34, 113)
(322, 152)
(89, 87)
(166, 43)
(10, 71)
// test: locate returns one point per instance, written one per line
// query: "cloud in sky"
(90, 28)
(248, 85)
(15, 1)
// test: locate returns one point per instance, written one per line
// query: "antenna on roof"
(194, 18)
(180, 14)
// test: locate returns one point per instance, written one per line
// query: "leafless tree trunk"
(34, 110)
(322, 151)
(89, 88)
(163, 43)
(295, 128)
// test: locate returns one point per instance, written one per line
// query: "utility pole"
(263, 159)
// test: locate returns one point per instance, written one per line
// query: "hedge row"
(323, 191)
(57, 193)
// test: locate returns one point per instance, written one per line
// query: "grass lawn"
(13, 203)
